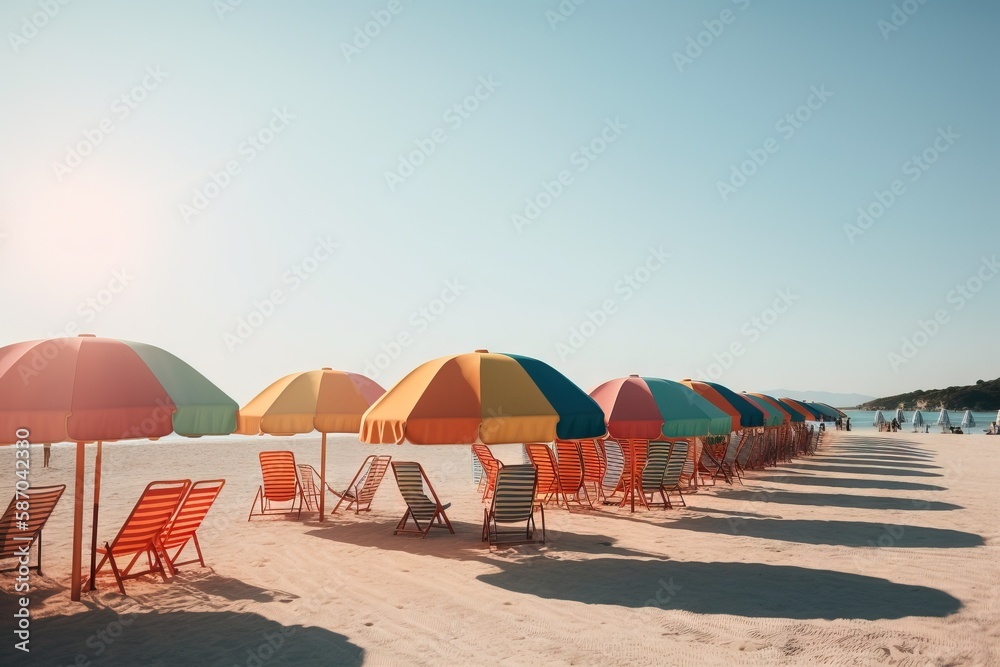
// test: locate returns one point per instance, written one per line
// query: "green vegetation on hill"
(984, 396)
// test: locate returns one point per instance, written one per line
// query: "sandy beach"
(878, 550)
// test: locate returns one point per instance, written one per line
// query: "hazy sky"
(630, 187)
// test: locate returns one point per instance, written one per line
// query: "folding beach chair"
(413, 486)
(569, 463)
(281, 485)
(141, 533)
(361, 491)
(183, 527)
(548, 486)
(613, 468)
(491, 465)
(594, 467)
(20, 528)
(651, 481)
(513, 503)
(673, 472)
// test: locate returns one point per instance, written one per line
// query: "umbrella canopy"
(95, 389)
(651, 408)
(797, 412)
(943, 418)
(918, 418)
(900, 417)
(772, 415)
(326, 400)
(807, 408)
(775, 406)
(968, 421)
(482, 397)
(825, 412)
(745, 414)
(879, 417)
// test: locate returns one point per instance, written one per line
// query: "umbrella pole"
(632, 490)
(97, 504)
(75, 584)
(322, 477)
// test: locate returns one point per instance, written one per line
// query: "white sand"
(882, 549)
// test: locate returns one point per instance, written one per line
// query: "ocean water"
(864, 420)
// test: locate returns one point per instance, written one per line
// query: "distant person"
(46, 454)
(895, 424)
(848, 423)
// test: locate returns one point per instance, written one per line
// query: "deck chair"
(183, 527)
(594, 467)
(491, 465)
(651, 480)
(361, 491)
(569, 463)
(281, 485)
(141, 533)
(688, 471)
(548, 486)
(413, 486)
(613, 468)
(630, 449)
(673, 472)
(513, 503)
(16, 539)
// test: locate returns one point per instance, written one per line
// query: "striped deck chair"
(687, 471)
(309, 479)
(710, 462)
(673, 472)
(594, 467)
(569, 462)
(513, 503)
(140, 534)
(613, 468)
(548, 486)
(281, 484)
(744, 457)
(361, 491)
(16, 539)
(729, 467)
(413, 486)
(183, 527)
(490, 466)
(651, 481)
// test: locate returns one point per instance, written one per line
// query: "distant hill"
(984, 396)
(830, 398)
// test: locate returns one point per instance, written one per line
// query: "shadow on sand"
(840, 500)
(858, 470)
(754, 590)
(836, 533)
(176, 638)
(871, 461)
(848, 483)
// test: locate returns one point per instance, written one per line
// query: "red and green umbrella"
(650, 408)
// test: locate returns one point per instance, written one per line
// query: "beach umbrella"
(900, 417)
(482, 397)
(879, 418)
(773, 416)
(968, 421)
(943, 418)
(745, 414)
(786, 413)
(795, 408)
(641, 408)
(825, 412)
(813, 413)
(325, 400)
(918, 419)
(90, 389)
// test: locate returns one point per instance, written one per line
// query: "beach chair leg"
(446, 523)
(39, 553)
(402, 522)
(260, 494)
(114, 568)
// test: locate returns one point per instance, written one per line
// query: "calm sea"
(864, 420)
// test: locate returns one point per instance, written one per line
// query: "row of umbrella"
(90, 389)
(968, 420)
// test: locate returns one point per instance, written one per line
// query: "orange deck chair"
(413, 486)
(569, 459)
(281, 484)
(16, 538)
(491, 465)
(140, 534)
(361, 491)
(183, 527)
(548, 486)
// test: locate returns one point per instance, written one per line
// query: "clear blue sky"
(672, 131)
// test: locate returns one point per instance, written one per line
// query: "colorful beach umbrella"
(90, 389)
(745, 414)
(482, 397)
(943, 418)
(325, 400)
(798, 413)
(772, 416)
(813, 413)
(786, 413)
